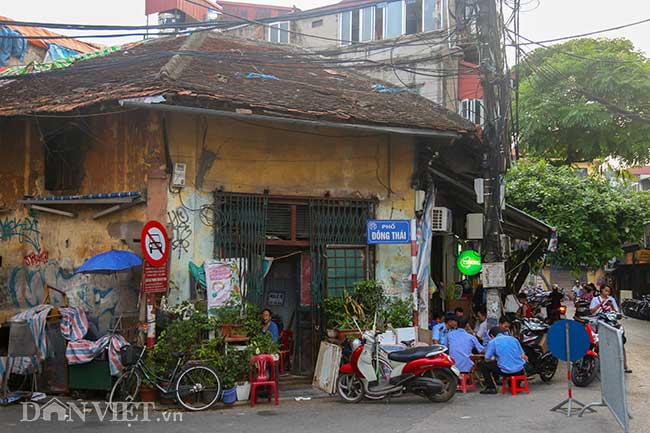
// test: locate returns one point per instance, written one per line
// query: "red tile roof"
(222, 72)
(73, 44)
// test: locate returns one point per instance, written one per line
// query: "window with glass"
(394, 19)
(472, 110)
(431, 15)
(345, 266)
(279, 32)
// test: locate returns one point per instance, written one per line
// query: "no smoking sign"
(154, 243)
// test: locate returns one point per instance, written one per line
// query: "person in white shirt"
(603, 304)
(481, 329)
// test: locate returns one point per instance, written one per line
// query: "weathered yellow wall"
(285, 160)
(122, 149)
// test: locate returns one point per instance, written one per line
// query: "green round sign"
(469, 262)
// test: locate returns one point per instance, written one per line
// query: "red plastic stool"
(263, 364)
(466, 383)
(514, 384)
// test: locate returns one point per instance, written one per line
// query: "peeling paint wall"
(38, 248)
(252, 157)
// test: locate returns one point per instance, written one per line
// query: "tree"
(586, 99)
(593, 216)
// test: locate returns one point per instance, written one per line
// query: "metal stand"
(570, 402)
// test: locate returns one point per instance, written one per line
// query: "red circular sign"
(154, 243)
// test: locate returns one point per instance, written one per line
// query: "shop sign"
(389, 231)
(469, 263)
(154, 278)
(493, 274)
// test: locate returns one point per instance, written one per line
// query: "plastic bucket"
(230, 395)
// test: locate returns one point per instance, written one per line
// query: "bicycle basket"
(129, 354)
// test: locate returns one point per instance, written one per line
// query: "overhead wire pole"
(495, 157)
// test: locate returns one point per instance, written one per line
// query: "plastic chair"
(286, 341)
(514, 384)
(265, 366)
(466, 383)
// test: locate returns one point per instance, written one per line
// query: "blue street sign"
(578, 343)
(389, 231)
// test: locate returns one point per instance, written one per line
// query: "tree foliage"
(593, 216)
(586, 99)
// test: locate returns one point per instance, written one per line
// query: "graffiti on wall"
(24, 229)
(101, 296)
(39, 258)
(181, 231)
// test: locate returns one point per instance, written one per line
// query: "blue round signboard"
(578, 340)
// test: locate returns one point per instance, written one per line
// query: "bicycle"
(194, 386)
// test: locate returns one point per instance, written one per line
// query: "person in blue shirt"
(505, 324)
(436, 319)
(441, 331)
(509, 356)
(461, 344)
(269, 325)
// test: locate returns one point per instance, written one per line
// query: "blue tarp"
(57, 52)
(114, 260)
(11, 47)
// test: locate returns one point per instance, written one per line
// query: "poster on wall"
(218, 279)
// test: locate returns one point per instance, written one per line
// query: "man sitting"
(505, 324)
(461, 344)
(440, 333)
(509, 356)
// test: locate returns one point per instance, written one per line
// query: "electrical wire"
(595, 32)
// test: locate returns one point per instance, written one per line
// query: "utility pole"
(496, 156)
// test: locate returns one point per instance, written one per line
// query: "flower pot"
(332, 333)
(243, 391)
(231, 330)
(147, 393)
(230, 396)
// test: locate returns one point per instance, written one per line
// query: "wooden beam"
(54, 211)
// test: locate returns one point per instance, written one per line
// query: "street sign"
(493, 274)
(154, 278)
(577, 336)
(469, 263)
(154, 243)
(389, 231)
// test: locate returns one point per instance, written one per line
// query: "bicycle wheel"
(125, 391)
(198, 387)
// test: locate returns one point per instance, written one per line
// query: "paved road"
(467, 413)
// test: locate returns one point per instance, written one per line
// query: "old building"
(245, 150)
(16, 51)
(416, 44)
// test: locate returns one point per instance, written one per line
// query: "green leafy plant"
(398, 313)
(335, 312)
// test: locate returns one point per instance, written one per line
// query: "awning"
(517, 223)
(116, 200)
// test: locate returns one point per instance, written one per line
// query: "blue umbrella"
(113, 260)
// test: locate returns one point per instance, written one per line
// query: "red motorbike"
(375, 373)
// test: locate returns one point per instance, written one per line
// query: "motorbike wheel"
(547, 368)
(350, 388)
(584, 371)
(449, 381)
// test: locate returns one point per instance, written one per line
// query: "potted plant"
(147, 391)
(242, 376)
(229, 396)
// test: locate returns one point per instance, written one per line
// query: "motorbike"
(585, 370)
(532, 336)
(375, 373)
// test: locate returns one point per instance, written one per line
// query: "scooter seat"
(409, 355)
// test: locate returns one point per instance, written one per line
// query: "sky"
(540, 19)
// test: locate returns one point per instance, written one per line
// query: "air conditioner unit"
(178, 179)
(441, 220)
(474, 226)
